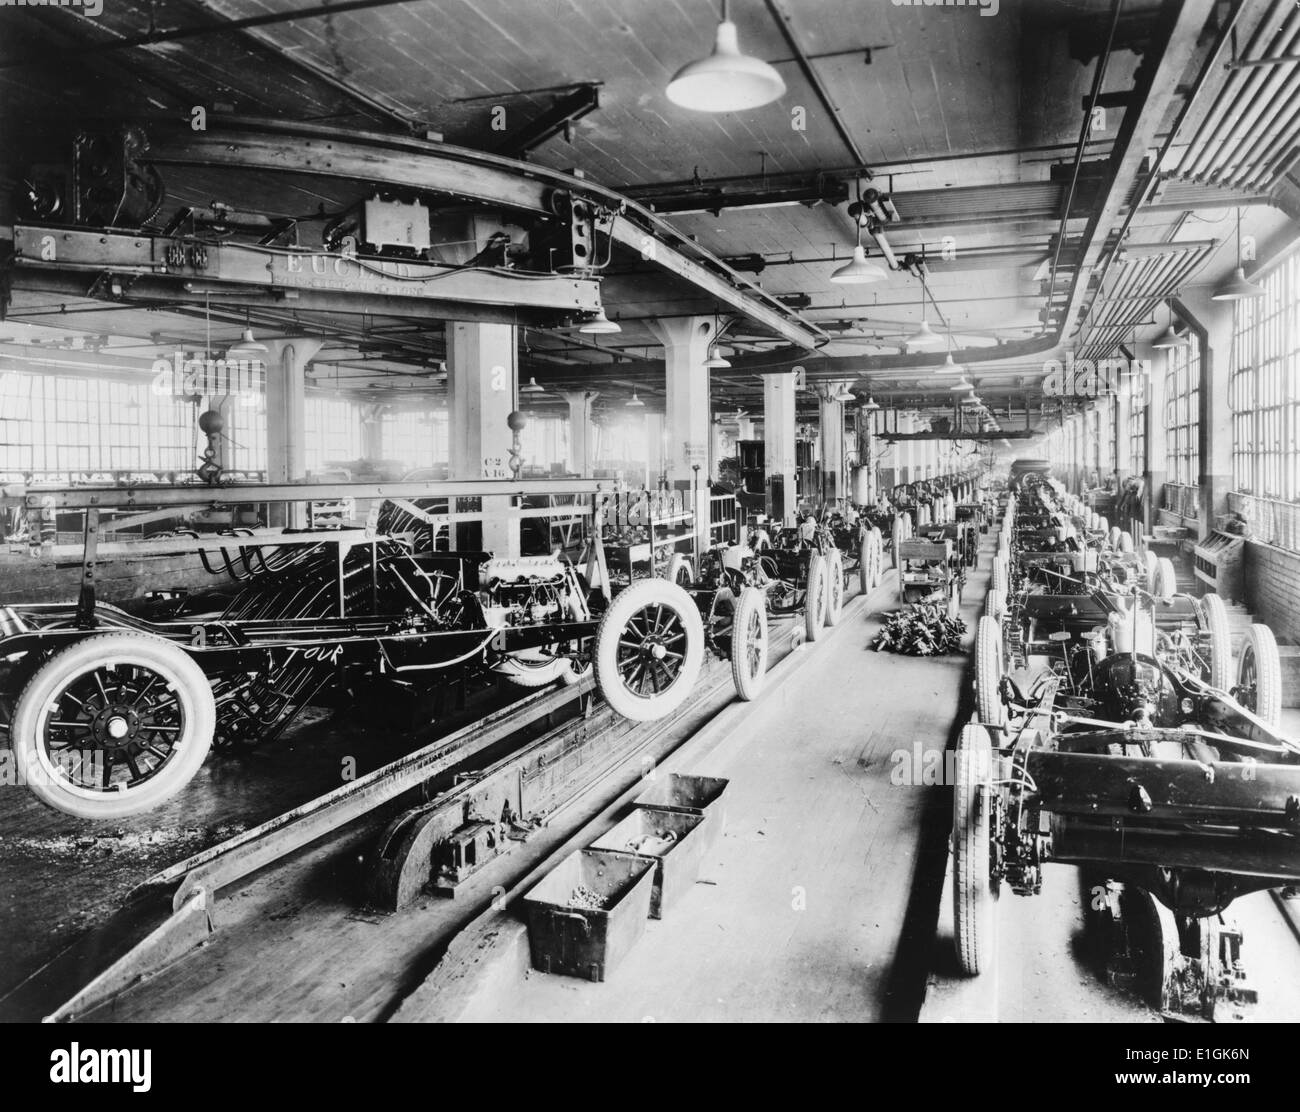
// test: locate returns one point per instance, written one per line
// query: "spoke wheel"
(649, 650)
(834, 587)
(113, 725)
(1259, 675)
(974, 893)
(814, 603)
(749, 643)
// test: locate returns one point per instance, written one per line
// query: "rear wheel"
(897, 535)
(649, 650)
(749, 645)
(1149, 563)
(995, 604)
(814, 603)
(834, 586)
(973, 891)
(1218, 631)
(988, 672)
(113, 725)
(1115, 534)
(1166, 581)
(999, 579)
(866, 565)
(1125, 541)
(1259, 675)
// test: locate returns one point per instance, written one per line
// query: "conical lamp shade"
(1169, 339)
(858, 269)
(1237, 288)
(599, 324)
(247, 346)
(924, 336)
(951, 367)
(727, 80)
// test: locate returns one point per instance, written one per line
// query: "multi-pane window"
(418, 438)
(1137, 425)
(1182, 413)
(55, 425)
(1263, 393)
(333, 432)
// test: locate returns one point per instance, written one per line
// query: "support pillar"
(779, 459)
(1158, 362)
(831, 416)
(1212, 323)
(686, 343)
(580, 431)
(482, 380)
(286, 415)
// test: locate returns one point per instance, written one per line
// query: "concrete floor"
(820, 902)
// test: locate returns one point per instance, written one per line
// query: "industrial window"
(544, 443)
(1182, 413)
(333, 432)
(55, 426)
(1263, 392)
(1137, 425)
(418, 438)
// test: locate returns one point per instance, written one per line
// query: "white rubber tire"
(1259, 652)
(1220, 637)
(988, 672)
(897, 536)
(1114, 537)
(1166, 581)
(1125, 541)
(814, 611)
(1149, 562)
(834, 587)
(628, 604)
(533, 668)
(865, 567)
(974, 898)
(108, 651)
(679, 570)
(995, 604)
(749, 643)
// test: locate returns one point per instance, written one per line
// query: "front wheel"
(679, 570)
(834, 587)
(749, 644)
(974, 894)
(814, 603)
(113, 725)
(649, 650)
(1259, 675)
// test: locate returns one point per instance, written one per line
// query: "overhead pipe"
(1277, 136)
(1266, 119)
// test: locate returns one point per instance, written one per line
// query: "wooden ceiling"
(970, 121)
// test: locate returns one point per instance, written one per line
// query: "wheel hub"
(116, 726)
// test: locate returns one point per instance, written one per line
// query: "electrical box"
(395, 224)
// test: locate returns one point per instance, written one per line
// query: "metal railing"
(1269, 520)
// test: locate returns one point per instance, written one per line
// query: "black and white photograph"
(565, 512)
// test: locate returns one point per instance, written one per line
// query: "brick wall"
(1273, 589)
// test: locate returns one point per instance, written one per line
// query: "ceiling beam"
(414, 164)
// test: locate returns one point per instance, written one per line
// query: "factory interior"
(600, 511)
